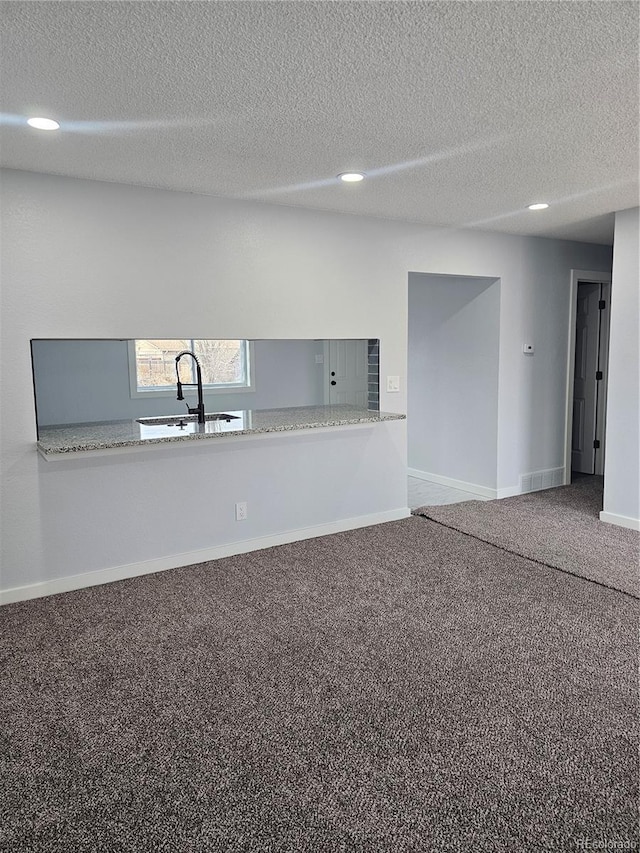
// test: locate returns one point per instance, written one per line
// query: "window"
(225, 365)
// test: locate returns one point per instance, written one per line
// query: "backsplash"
(373, 375)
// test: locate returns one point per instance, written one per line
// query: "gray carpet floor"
(405, 687)
(558, 527)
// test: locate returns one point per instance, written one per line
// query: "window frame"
(170, 390)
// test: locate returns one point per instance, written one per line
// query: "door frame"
(326, 378)
(576, 277)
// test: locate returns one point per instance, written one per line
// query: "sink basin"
(177, 420)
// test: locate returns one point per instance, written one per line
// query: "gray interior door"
(585, 385)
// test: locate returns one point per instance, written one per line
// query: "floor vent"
(538, 480)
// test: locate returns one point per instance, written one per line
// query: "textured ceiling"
(461, 113)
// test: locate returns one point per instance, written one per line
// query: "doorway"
(587, 374)
(452, 381)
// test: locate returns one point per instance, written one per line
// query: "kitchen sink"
(182, 420)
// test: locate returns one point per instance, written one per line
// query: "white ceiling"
(461, 113)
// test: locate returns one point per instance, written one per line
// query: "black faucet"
(199, 409)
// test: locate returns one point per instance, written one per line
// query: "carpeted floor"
(400, 688)
(558, 527)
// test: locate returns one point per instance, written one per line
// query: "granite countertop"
(104, 435)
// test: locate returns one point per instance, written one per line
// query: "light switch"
(393, 383)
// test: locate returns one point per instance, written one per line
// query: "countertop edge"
(103, 447)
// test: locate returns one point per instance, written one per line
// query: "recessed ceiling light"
(540, 205)
(43, 123)
(351, 177)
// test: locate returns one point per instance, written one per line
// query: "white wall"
(78, 381)
(88, 259)
(452, 407)
(622, 462)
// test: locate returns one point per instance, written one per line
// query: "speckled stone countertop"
(104, 435)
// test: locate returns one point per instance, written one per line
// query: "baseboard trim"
(461, 485)
(547, 479)
(509, 492)
(620, 520)
(161, 564)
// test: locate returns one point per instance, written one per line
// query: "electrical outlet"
(319, 358)
(393, 383)
(241, 511)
